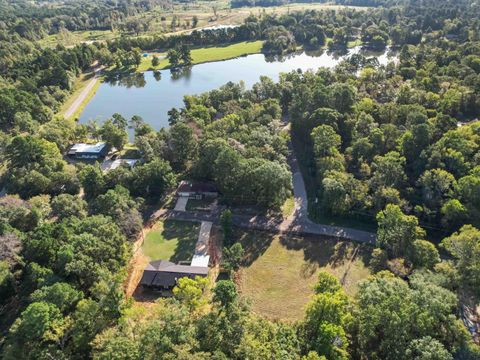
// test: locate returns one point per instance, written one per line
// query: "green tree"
(233, 257)
(185, 54)
(454, 214)
(387, 323)
(225, 293)
(190, 292)
(34, 330)
(152, 179)
(464, 246)
(62, 295)
(397, 232)
(427, 348)
(325, 141)
(425, 254)
(112, 345)
(194, 21)
(114, 133)
(66, 205)
(342, 97)
(327, 283)
(326, 316)
(92, 180)
(173, 57)
(183, 145)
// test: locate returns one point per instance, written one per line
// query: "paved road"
(296, 226)
(83, 95)
(302, 224)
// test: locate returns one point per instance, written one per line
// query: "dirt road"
(83, 95)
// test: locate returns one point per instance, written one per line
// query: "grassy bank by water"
(209, 54)
(80, 84)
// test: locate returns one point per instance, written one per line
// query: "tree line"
(389, 144)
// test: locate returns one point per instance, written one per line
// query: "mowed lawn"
(171, 240)
(279, 273)
(215, 53)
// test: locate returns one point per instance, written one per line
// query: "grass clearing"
(279, 272)
(171, 240)
(208, 54)
(72, 38)
(288, 207)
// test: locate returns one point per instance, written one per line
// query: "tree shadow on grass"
(319, 251)
(254, 243)
(187, 235)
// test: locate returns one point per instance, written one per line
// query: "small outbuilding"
(84, 151)
(163, 275)
(196, 189)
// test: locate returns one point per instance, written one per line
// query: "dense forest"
(395, 145)
(33, 20)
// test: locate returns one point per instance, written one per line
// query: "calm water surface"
(151, 96)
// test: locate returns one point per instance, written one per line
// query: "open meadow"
(280, 271)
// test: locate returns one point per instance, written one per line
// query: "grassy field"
(279, 272)
(203, 55)
(71, 38)
(159, 20)
(171, 240)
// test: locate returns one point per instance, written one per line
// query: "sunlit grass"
(171, 240)
(279, 272)
(203, 55)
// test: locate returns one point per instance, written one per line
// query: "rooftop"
(87, 148)
(196, 187)
(200, 260)
(162, 273)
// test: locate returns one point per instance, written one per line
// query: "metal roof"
(88, 148)
(200, 260)
(162, 273)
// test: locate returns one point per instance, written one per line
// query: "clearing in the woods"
(280, 271)
(171, 240)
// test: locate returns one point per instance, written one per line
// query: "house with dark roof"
(196, 189)
(163, 275)
(82, 151)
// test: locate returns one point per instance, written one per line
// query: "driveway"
(303, 225)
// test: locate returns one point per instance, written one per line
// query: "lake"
(151, 96)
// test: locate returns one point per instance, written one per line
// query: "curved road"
(302, 224)
(298, 223)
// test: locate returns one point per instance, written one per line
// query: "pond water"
(151, 94)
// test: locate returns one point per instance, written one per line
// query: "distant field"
(279, 273)
(171, 240)
(67, 38)
(159, 20)
(203, 55)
